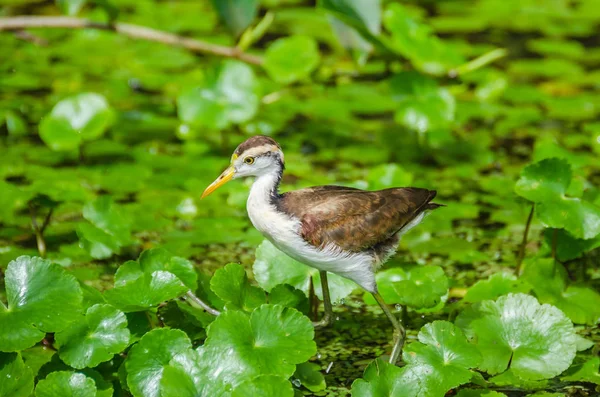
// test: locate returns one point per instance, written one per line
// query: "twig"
(524, 242)
(194, 300)
(134, 31)
(479, 62)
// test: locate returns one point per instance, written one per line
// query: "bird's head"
(256, 156)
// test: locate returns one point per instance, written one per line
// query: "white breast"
(283, 232)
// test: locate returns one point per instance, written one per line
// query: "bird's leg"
(399, 332)
(328, 315)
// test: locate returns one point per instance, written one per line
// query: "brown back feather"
(354, 219)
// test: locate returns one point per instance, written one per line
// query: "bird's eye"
(249, 160)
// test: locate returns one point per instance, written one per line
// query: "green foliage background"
(106, 143)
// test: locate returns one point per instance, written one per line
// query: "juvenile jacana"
(346, 231)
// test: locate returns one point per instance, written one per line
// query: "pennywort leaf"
(515, 331)
(231, 284)
(76, 119)
(17, 378)
(95, 339)
(42, 297)
(66, 383)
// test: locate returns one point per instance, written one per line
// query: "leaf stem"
(39, 231)
(521, 255)
(479, 62)
(195, 301)
(554, 242)
(133, 31)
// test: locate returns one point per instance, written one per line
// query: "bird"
(343, 230)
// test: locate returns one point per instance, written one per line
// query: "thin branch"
(479, 62)
(134, 31)
(46, 220)
(195, 301)
(524, 242)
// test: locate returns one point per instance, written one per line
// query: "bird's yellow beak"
(225, 177)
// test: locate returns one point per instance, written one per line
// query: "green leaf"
(241, 346)
(309, 375)
(108, 230)
(437, 363)
(536, 341)
(546, 183)
(416, 41)
(264, 386)
(387, 176)
(147, 359)
(95, 339)
(82, 117)
(272, 267)
(584, 372)
(228, 96)
(441, 360)
(382, 379)
(70, 7)
(286, 295)
(496, 285)
(137, 291)
(509, 378)
(176, 382)
(420, 287)
(160, 259)
(191, 320)
(42, 298)
(551, 285)
(578, 217)
(479, 393)
(237, 14)
(37, 357)
(421, 104)
(567, 246)
(231, 284)
(17, 378)
(66, 383)
(365, 16)
(291, 58)
(544, 180)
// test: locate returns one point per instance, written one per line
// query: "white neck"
(265, 187)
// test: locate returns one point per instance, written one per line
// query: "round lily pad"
(66, 383)
(79, 118)
(546, 183)
(148, 358)
(270, 341)
(228, 96)
(422, 105)
(515, 331)
(291, 58)
(495, 286)
(42, 297)
(442, 360)
(94, 339)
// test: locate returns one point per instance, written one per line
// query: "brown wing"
(354, 219)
